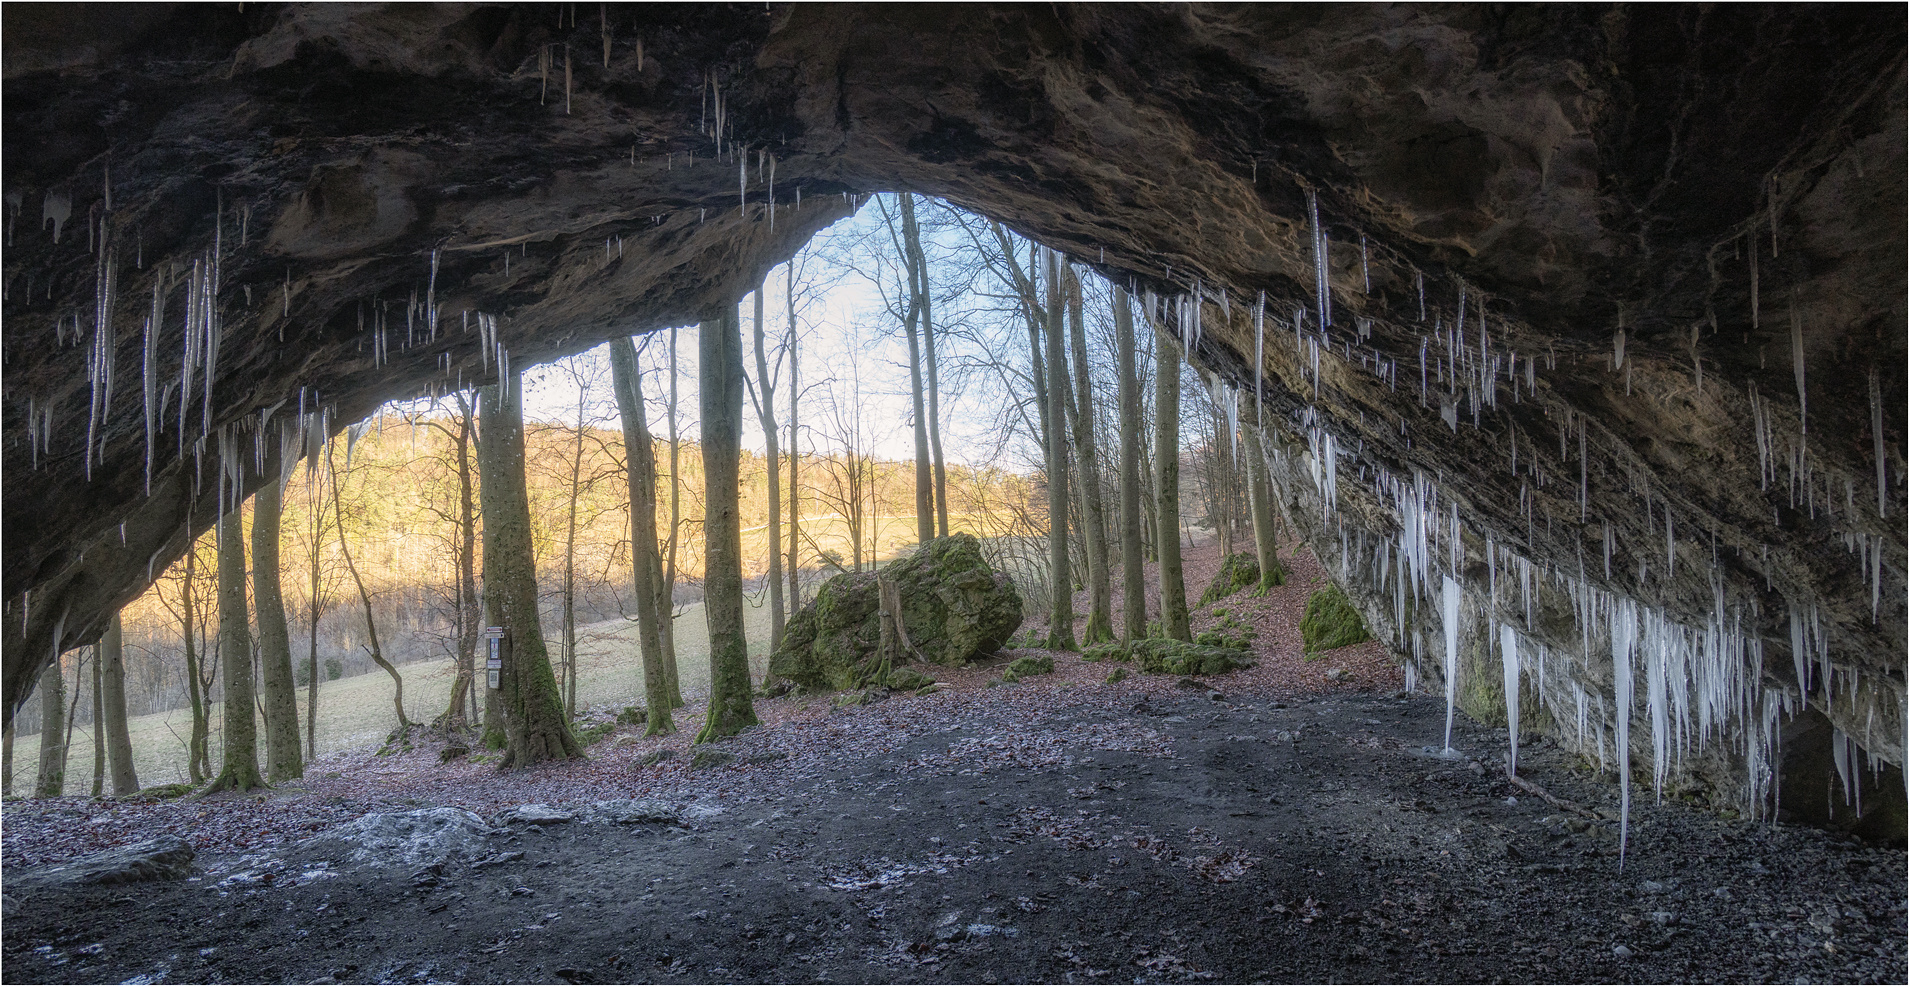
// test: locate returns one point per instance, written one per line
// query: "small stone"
(534, 814)
(1622, 951)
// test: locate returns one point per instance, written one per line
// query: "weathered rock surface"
(1625, 275)
(162, 858)
(421, 837)
(954, 607)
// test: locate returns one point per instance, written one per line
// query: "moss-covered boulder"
(1027, 665)
(954, 607)
(1165, 656)
(1331, 622)
(1237, 572)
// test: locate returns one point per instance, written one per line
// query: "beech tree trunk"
(795, 454)
(464, 685)
(1100, 625)
(6, 759)
(1061, 615)
(282, 756)
(51, 781)
(99, 738)
(666, 588)
(1133, 576)
(720, 363)
(119, 742)
(315, 603)
(766, 417)
(1260, 504)
(239, 738)
(533, 710)
(640, 468)
(1167, 486)
(198, 692)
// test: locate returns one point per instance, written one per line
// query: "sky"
(845, 333)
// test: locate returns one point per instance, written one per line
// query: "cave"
(1612, 298)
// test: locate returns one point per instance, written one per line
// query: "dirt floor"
(1267, 825)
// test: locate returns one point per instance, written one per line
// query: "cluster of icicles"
(1700, 682)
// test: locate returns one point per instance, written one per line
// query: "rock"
(1331, 622)
(1622, 951)
(452, 752)
(954, 607)
(1164, 656)
(709, 757)
(414, 839)
(626, 742)
(1237, 572)
(907, 679)
(1026, 666)
(631, 812)
(499, 859)
(161, 858)
(1117, 675)
(1338, 675)
(931, 689)
(657, 756)
(533, 814)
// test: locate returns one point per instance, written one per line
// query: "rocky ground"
(1264, 825)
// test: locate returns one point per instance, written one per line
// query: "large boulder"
(161, 858)
(954, 607)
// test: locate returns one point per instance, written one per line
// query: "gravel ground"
(1263, 825)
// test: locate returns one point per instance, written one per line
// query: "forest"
(856, 348)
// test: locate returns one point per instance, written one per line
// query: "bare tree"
(1099, 627)
(364, 595)
(720, 394)
(1174, 623)
(275, 645)
(1061, 619)
(763, 394)
(238, 740)
(640, 464)
(528, 694)
(1133, 579)
(118, 742)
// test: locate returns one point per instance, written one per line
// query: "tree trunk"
(1061, 616)
(1167, 486)
(119, 742)
(931, 487)
(766, 416)
(913, 232)
(1133, 578)
(198, 758)
(239, 741)
(1260, 503)
(640, 468)
(99, 737)
(315, 603)
(462, 687)
(6, 759)
(720, 363)
(282, 759)
(52, 775)
(795, 455)
(371, 624)
(666, 588)
(528, 695)
(570, 564)
(1100, 626)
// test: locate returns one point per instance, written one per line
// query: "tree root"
(1550, 799)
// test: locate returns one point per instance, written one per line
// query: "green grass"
(356, 712)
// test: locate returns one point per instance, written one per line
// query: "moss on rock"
(1237, 572)
(1331, 622)
(954, 607)
(1027, 665)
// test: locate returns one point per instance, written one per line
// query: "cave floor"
(1060, 830)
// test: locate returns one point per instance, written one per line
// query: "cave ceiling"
(1603, 185)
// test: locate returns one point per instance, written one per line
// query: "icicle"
(742, 186)
(1259, 366)
(1450, 604)
(1320, 287)
(56, 208)
(1509, 662)
(1624, 634)
(1797, 358)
